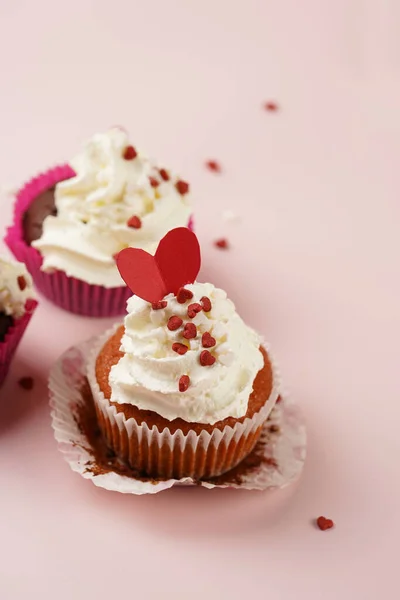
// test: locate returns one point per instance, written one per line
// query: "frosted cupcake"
(17, 303)
(184, 387)
(71, 221)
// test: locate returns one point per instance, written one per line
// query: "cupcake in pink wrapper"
(71, 221)
(17, 304)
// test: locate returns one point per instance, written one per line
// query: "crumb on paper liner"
(276, 461)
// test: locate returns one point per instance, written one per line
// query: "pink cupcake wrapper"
(13, 337)
(69, 293)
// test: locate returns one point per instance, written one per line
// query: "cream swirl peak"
(118, 198)
(188, 356)
(15, 287)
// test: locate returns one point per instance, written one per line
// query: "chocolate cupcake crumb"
(251, 463)
(26, 383)
(42, 206)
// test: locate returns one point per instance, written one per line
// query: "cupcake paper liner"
(69, 293)
(277, 459)
(13, 337)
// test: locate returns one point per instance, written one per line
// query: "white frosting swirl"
(93, 209)
(148, 373)
(14, 292)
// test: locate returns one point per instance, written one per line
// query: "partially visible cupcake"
(71, 221)
(184, 387)
(17, 303)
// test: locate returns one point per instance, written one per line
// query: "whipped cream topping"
(15, 287)
(94, 207)
(148, 373)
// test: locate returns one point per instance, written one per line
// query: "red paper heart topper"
(175, 263)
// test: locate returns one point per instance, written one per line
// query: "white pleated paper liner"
(276, 461)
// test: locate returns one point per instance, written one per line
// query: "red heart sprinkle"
(21, 282)
(154, 182)
(182, 187)
(207, 340)
(271, 106)
(164, 174)
(222, 243)
(130, 153)
(213, 166)
(184, 383)
(193, 309)
(183, 295)
(179, 348)
(159, 305)
(324, 523)
(135, 222)
(190, 331)
(174, 323)
(206, 358)
(206, 303)
(26, 383)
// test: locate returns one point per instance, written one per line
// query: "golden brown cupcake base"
(152, 455)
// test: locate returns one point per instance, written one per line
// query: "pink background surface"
(314, 266)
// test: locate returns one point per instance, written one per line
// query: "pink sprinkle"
(206, 358)
(271, 106)
(159, 305)
(134, 222)
(164, 174)
(179, 348)
(206, 303)
(222, 243)
(182, 187)
(154, 182)
(174, 323)
(189, 331)
(183, 295)
(213, 166)
(193, 309)
(130, 153)
(184, 383)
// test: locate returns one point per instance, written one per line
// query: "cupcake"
(70, 222)
(17, 303)
(184, 386)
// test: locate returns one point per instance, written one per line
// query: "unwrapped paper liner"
(13, 337)
(69, 293)
(283, 455)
